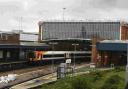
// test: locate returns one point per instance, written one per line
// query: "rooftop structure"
(79, 29)
(32, 37)
(114, 41)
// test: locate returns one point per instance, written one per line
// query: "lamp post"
(127, 68)
(74, 53)
(52, 44)
(63, 13)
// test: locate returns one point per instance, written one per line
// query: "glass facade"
(84, 30)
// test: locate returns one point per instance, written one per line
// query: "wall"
(11, 38)
(29, 37)
(124, 32)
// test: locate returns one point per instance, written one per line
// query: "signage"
(68, 61)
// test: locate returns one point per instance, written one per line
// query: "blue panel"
(112, 46)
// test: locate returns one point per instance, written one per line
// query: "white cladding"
(28, 37)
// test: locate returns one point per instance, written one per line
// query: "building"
(9, 38)
(111, 52)
(27, 38)
(84, 30)
(15, 45)
(95, 31)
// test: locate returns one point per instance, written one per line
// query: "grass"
(94, 80)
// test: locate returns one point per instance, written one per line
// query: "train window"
(56, 55)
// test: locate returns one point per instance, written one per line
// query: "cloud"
(110, 4)
(32, 11)
(104, 3)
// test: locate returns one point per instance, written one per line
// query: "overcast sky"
(25, 14)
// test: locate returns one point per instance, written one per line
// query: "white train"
(35, 56)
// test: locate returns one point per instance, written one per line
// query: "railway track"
(27, 74)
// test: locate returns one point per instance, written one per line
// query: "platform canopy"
(112, 45)
(24, 46)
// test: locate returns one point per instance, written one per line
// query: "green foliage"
(97, 75)
(80, 83)
(111, 79)
(118, 69)
(112, 82)
(114, 79)
(109, 86)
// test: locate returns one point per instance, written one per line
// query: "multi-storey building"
(85, 30)
(96, 31)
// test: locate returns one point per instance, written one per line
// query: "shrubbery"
(112, 79)
(118, 68)
(112, 82)
(97, 75)
(80, 83)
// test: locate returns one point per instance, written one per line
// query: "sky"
(25, 14)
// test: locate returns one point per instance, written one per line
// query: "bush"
(109, 86)
(97, 75)
(114, 79)
(112, 82)
(118, 68)
(80, 83)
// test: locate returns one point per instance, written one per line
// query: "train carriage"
(37, 56)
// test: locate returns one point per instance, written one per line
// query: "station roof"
(112, 45)
(18, 46)
(68, 39)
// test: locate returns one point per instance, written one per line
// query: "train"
(32, 57)
(36, 56)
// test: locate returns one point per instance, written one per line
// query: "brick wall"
(124, 32)
(6, 38)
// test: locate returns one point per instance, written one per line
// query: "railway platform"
(4, 66)
(41, 80)
(25, 77)
(50, 78)
(36, 82)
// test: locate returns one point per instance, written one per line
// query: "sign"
(68, 61)
(67, 55)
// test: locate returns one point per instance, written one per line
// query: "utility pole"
(52, 67)
(127, 67)
(74, 54)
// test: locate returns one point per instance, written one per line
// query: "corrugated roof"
(114, 41)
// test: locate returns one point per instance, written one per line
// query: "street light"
(52, 44)
(127, 67)
(63, 13)
(74, 53)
